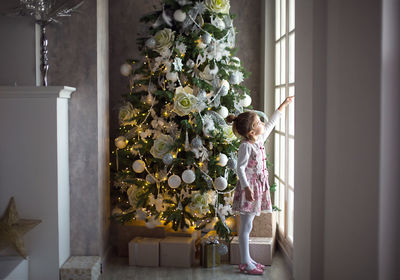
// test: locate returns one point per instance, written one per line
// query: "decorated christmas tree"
(176, 155)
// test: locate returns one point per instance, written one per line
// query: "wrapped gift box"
(81, 268)
(209, 255)
(176, 251)
(144, 251)
(261, 250)
(263, 225)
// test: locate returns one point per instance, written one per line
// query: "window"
(284, 131)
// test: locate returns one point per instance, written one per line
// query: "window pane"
(282, 207)
(291, 58)
(283, 115)
(276, 154)
(291, 14)
(277, 19)
(283, 17)
(291, 112)
(277, 103)
(283, 61)
(291, 163)
(290, 214)
(282, 157)
(277, 63)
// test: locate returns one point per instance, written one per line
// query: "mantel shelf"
(36, 92)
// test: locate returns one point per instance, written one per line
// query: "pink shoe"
(258, 265)
(255, 271)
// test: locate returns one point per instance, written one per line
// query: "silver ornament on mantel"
(44, 12)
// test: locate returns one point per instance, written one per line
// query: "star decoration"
(12, 228)
(178, 64)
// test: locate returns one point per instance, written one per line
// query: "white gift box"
(176, 251)
(261, 250)
(144, 251)
(81, 268)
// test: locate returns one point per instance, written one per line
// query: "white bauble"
(174, 181)
(172, 76)
(121, 142)
(206, 38)
(179, 15)
(219, 23)
(196, 142)
(223, 91)
(150, 179)
(188, 176)
(235, 61)
(190, 63)
(223, 112)
(126, 69)
(225, 83)
(151, 43)
(138, 166)
(222, 160)
(246, 101)
(220, 183)
(214, 71)
(234, 79)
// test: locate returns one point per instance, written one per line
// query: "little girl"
(252, 193)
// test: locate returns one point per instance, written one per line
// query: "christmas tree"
(176, 155)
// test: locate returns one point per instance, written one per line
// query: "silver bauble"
(188, 176)
(179, 15)
(206, 38)
(174, 181)
(190, 63)
(220, 183)
(168, 158)
(151, 43)
(138, 166)
(223, 91)
(126, 69)
(222, 249)
(234, 79)
(150, 179)
(232, 163)
(197, 143)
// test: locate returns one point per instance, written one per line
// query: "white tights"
(246, 224)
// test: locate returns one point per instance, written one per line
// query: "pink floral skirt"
(261, 202)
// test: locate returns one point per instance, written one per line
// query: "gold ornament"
(12, 228)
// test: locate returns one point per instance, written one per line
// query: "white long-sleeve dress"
(252, 172)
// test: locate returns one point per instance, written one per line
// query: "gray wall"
(17, 47)
(347, 130)
(78, 55)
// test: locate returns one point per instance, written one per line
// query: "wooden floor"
(118, 269)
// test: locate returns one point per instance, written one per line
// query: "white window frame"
(285, 241)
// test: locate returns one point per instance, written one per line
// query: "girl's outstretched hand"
(287, 101)
(248, 194)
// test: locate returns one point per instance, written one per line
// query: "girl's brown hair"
(243, 123)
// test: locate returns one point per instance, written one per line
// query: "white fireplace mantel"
(34, 169)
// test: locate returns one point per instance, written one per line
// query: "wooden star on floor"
(12, 229)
